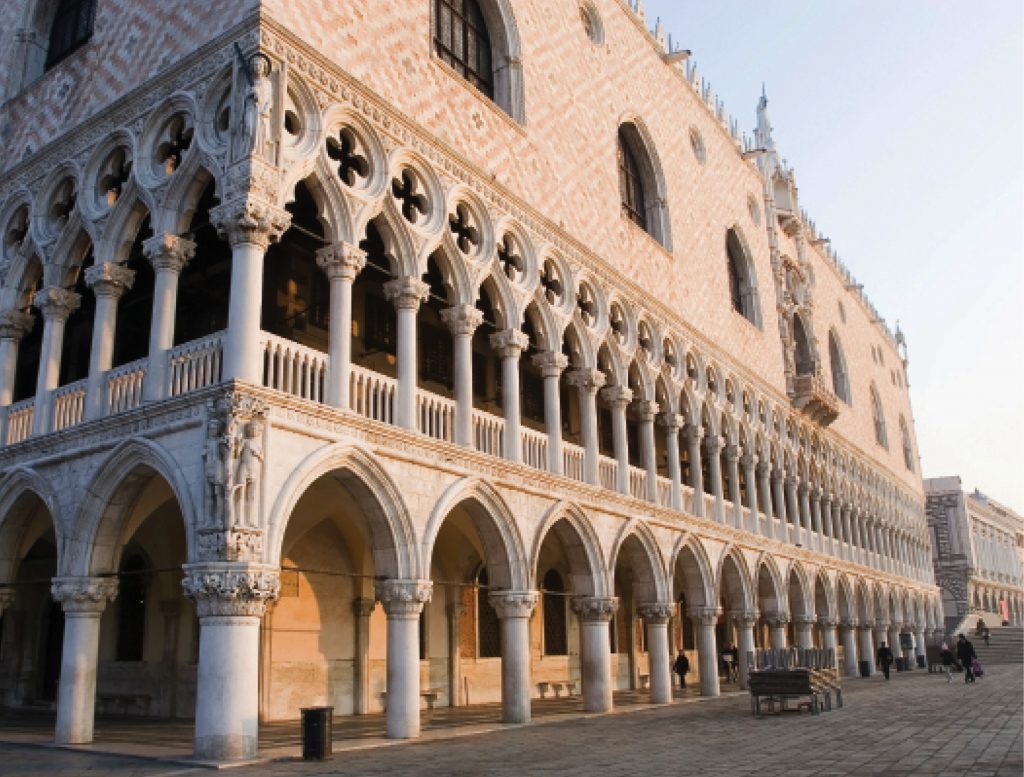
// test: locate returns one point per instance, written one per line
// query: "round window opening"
(697, 143)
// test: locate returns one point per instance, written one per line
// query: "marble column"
(672, 423)
(732, 458)
(847, 530)
(108, 282)
(656, 616)
(56, 305)
(704, 619)
(848, 633)
(551, 365)
(802, 625)
(745, 621)
(588, 382)
(919, 641)
(230, 600)
(83, 600)
(14, 325)
(618, 397)
(250, 227)
(403, 602)
(778, 489)
(749, 462)
(828, 522)
(867, 645)
(514, 609)
(894, 641)
(818, 535)
(456, 611)
(462, 321)
(646, 411)
(342, 262)
(509, 345)
(778, 622)
(362, 609)
(713, 450)
(594, 613)
(806, 528)
(795, 533)
(693, 434)
(764, 488)
(828, 635)
(168, 255)
(406, 294)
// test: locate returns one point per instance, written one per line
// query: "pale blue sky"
(904, 121)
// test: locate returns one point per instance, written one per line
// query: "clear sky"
(904, 122)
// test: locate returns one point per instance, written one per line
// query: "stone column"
(745, 621)
(230, 600)
(588, 382)
(250, 227)
(867, 646)
(828, 523)
(713, 449)
(847, 530)
(848, 633)
(456, 610)
(362, 609)
(704, 619)
(778, 622)
(83, 600)
(828, 634)
(646, 410)
(656, 616)
(672, 423)
(894, 641)
(406, 294)
(509, 345)
(806, 528)
(749, 462)
(594, 613)
(56, 305)
(168, 254)
(14, 325)
(793, 511)
(514, 609)
(919, 641)
(693, 434)
(764, 488)
(802, 625)
(618, 397)
(732, 458)
(403, 602)
(551, 365)
(341, 262)
(778, 479)
(463, 321)
(817, 529)
(108, 282)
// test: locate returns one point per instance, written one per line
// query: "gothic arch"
(582, 547)
(698, 576)
(776, 600)
(19, 485)
(732, 569)
(636, 541)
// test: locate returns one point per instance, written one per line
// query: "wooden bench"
(773, 688)
(429, 695)
(556, 686)
(122, 703)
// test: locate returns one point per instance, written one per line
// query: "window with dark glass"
(631, 185)
(876, 410)
(556, 642)
(908, 448)
(840, 380)
(462, 41)
(72, 26)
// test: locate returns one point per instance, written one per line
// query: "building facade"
(448, 352)
(978, 555)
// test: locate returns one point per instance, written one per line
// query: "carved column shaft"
(406, 294)
(588, 382)
(509, 345)
(168, 254)
(552, 364)
(109, 282)
(594, 614)
(463, 320)
(514, 609)
(342, 263)
(56, 305)
(403, 601)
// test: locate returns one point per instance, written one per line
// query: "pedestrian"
(884, 659)
(681, 667)
(948, 659)
(984, 635)
(965, 655)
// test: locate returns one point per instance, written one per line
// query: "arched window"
(72, 26)
(461, 39)
(908, 448)
(631, 184)
(742, 281)
(488, 630)
(840, 378)
(131, 609)
(641, 186)
(876, 412)
(804, 357)
(556, 642)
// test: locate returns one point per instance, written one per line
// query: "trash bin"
(865, 668)
(920, 662)
(316, 733)
(901, 664)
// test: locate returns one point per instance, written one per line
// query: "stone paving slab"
(916, 725)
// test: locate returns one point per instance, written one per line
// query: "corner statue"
(256, 107)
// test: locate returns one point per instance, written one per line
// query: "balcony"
(814, 399)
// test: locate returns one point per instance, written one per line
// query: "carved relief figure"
(215, 467)
(256, 108)
(250, 464)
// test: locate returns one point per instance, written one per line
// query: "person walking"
(884, 659)
(965, 655)
(681, 667)
(948, 659)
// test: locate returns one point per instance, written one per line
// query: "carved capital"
(513, 604)
(692, 434)
(586, 380)
(617, 396)
(705, 616)
(645, 410)
(168, 253)
(15, 324)
(850, 623)
(403, 598)
(749, 460)
(363, 606)
(551, 363)
(732, 453)
(225, 589)
(57, 304)
(341, 261)
(107, 279)
(406, 293)
(778, 620)
(713, 445)
(804, 620)
(672, 422)
(828, 622)
(234, 544)
(462, 320)
(594, 608)
(656, 612)
(84, 594)
(744, 618)
(509, 343)
(250, 221)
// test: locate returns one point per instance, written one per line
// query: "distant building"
(978, 554)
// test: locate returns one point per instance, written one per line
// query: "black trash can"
(316, 733)
(865, 668)
(920, 662)
(901, 664)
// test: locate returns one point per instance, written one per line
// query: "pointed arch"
(799, 591)
(691, 558)
(837, 365)
(772, 594)
(17, 489)
(582, 547)
(742, 276)
(636, 543)
(642, 188)
(732, 571)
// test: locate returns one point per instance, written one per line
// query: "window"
(461, 39)
(876, 411)
(72, 26)
(742, 284)
(840, 379)
(556, 642)
(908, 448)
(804, 357)
(631, 186)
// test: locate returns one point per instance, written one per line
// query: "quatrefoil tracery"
(405, 189)
(346, 150)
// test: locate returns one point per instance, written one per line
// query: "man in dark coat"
(965, 655)
(884, 659)
(681, 667)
